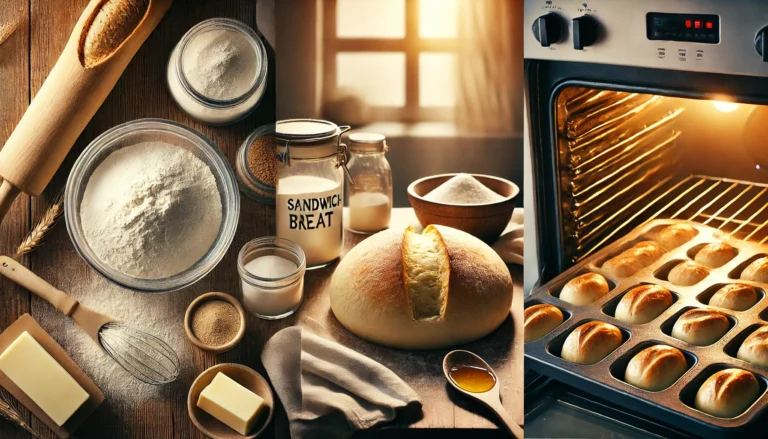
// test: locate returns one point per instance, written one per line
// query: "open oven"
(639, 111)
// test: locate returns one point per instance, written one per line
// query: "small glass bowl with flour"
(152, 205)
(217, 73)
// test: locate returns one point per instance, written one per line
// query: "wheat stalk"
(8, 411)
(44, 225)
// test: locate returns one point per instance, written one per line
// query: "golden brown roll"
(737, 297)
(676, 235)
(643, 303)
(755, 348)
(688, 273)
(591, 342)
(584, 289)
(701, 326)
(655, 368)
(633, 259)
(540, 320)
(716, 254)
(728, 393)
(757, 271)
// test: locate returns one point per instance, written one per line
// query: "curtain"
(490, 67)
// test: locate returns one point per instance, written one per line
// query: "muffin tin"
(673, 405)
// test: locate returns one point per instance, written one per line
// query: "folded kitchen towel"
(510, 245)
(328, 390)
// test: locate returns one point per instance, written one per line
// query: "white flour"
(151, 210)
(463, 189)
(309, 213)
(369, 212)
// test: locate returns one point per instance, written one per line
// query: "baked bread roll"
(757, 271)
(584, 289)
(407, 290)
(655, 368)
(674, 236)
(737, 297)
(643, 303)
(701, 326)
(716, 254)
(591, 342)
(754, 349)
(688, 273)
(634, 259)
(540, 320)
(728, 393)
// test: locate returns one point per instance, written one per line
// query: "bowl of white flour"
(152, 205)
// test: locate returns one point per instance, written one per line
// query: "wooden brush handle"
(105, 39)
(18, 273)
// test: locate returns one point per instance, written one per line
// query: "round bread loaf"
(674, 236)
(591, 342)
(688, 273)
(728, 393)
(754, 349)
(701, 326)
(757, 271)
(655, 368)
(584, 289)
(540, 320)
(737, 297)
(634, 259)
(407, 290)
(643, 303)
(716, 254)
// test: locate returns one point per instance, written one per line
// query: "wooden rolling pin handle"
(22, 276)
(8, 194)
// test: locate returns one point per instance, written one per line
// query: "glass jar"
(310, 187)
(256, 165)
(271, 277)
(369, 193)
(235, 97)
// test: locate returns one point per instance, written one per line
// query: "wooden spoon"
(458, 359)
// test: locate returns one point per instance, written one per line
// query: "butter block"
(42, 378)
(231, 403)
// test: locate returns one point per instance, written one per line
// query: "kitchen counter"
(26, 58)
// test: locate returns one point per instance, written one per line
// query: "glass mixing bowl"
(144, 130)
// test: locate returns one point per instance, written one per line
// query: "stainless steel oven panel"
(622, 37)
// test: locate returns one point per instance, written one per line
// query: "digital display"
(694, 28)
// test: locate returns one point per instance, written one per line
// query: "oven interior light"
(725, 107)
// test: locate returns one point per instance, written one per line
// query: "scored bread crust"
(655, 368)
(715, 254)
(591, 342)
(701, 326)
(727, 393)
(540, 320)
(736, 297)
(757, 271)
(755, 348)
(643, 303)
(369, 296)
(112, 22)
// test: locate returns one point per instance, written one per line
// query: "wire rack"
(738, 208)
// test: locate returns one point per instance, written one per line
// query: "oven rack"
(736, 208)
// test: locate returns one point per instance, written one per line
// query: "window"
(398, 55)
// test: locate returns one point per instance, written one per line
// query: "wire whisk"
(143, 355)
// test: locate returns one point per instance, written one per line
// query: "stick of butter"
(42, 378)
(231, 403)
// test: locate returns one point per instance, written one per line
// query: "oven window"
(626, 158)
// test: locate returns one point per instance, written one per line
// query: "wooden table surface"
(26, 57)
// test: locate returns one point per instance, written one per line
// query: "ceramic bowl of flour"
(152, 205)
(483, 220)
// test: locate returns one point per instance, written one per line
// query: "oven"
(635, 111)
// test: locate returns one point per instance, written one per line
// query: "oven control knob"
(761, 43)
(548, 29)
(584, 32)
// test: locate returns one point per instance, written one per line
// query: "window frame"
(412, 45)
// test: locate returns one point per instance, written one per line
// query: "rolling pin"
(105, 39)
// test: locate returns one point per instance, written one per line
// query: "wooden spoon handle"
(514, 429)
(32, 282)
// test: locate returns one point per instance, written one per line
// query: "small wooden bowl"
(246, 377)
(188, 322)
(485, 221)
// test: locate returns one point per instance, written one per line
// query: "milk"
(369, 212)
(278, 300)
(309, 213)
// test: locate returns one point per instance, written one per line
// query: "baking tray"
(673, 405)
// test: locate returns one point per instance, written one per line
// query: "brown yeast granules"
(262, 161)
(215, 322)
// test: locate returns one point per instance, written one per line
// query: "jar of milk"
(369, 193)
(310, 187)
